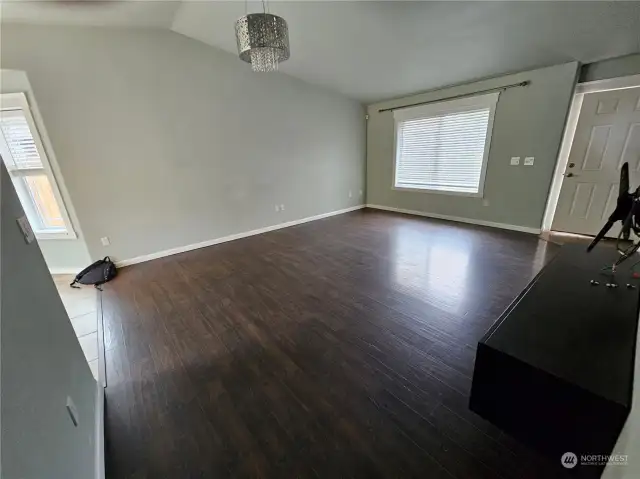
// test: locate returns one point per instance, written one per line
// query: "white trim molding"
(99, 439)
(458, 219)
(619, 83)
(224, 239)
(561, 163)
(72, 271)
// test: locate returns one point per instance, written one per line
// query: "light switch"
(105, 241)
(528, 161)
(515, 160)
(25, 227)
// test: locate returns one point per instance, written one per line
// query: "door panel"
(597, 147)
(631, 149)
(607, 106)
(607, 135)
(582, 200)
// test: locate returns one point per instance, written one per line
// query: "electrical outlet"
(485, 202)
(360, 192)
(528, 161)
(105, 241)
(281, 207)
(515, 160)
(277, 208)
(350, 194)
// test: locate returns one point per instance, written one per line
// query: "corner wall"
(42, 364)
(528, 121)
(165, 142)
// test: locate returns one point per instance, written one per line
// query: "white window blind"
(22, 152)
(443, 147)
(20, 142)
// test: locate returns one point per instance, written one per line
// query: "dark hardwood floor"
(338, 348)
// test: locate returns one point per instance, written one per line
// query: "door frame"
(581, 89)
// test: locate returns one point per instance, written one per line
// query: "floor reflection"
(439, 270)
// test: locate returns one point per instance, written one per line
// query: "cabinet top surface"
(579, 332)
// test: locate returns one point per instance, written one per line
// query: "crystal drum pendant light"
(263, 40)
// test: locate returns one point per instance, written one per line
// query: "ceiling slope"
(375, 50)
(379, 50)
(101, 13)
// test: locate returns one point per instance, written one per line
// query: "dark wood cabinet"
(556, 369)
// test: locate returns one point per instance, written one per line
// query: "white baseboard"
(99, 440)
(72, 271)
(458, 219)
(224, 239)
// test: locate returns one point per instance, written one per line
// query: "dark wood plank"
(338, 348)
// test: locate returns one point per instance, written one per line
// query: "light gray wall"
(65, 256)
(164, 141)
(42, 364)
(528, 122)
(60, 255)
(611, 68)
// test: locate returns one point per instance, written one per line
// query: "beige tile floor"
(81, 305)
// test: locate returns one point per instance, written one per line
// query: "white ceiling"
(379, 50)
(103, 13)
(373, 50)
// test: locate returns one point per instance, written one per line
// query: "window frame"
(489, 100)
(18, 101)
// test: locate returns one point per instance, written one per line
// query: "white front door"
(607, 135)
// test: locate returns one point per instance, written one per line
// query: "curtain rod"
(463, 95)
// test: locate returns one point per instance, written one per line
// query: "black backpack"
(98, 273)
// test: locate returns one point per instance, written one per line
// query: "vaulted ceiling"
(100, 13)
(383, 49)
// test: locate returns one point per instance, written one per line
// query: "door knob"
(569, 175)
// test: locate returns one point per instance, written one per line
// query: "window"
(30, 171)
(444, 147)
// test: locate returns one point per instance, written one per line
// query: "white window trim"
(447, 106)
(18, 101)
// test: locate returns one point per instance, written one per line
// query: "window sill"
(70, 235)
(479, 194)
